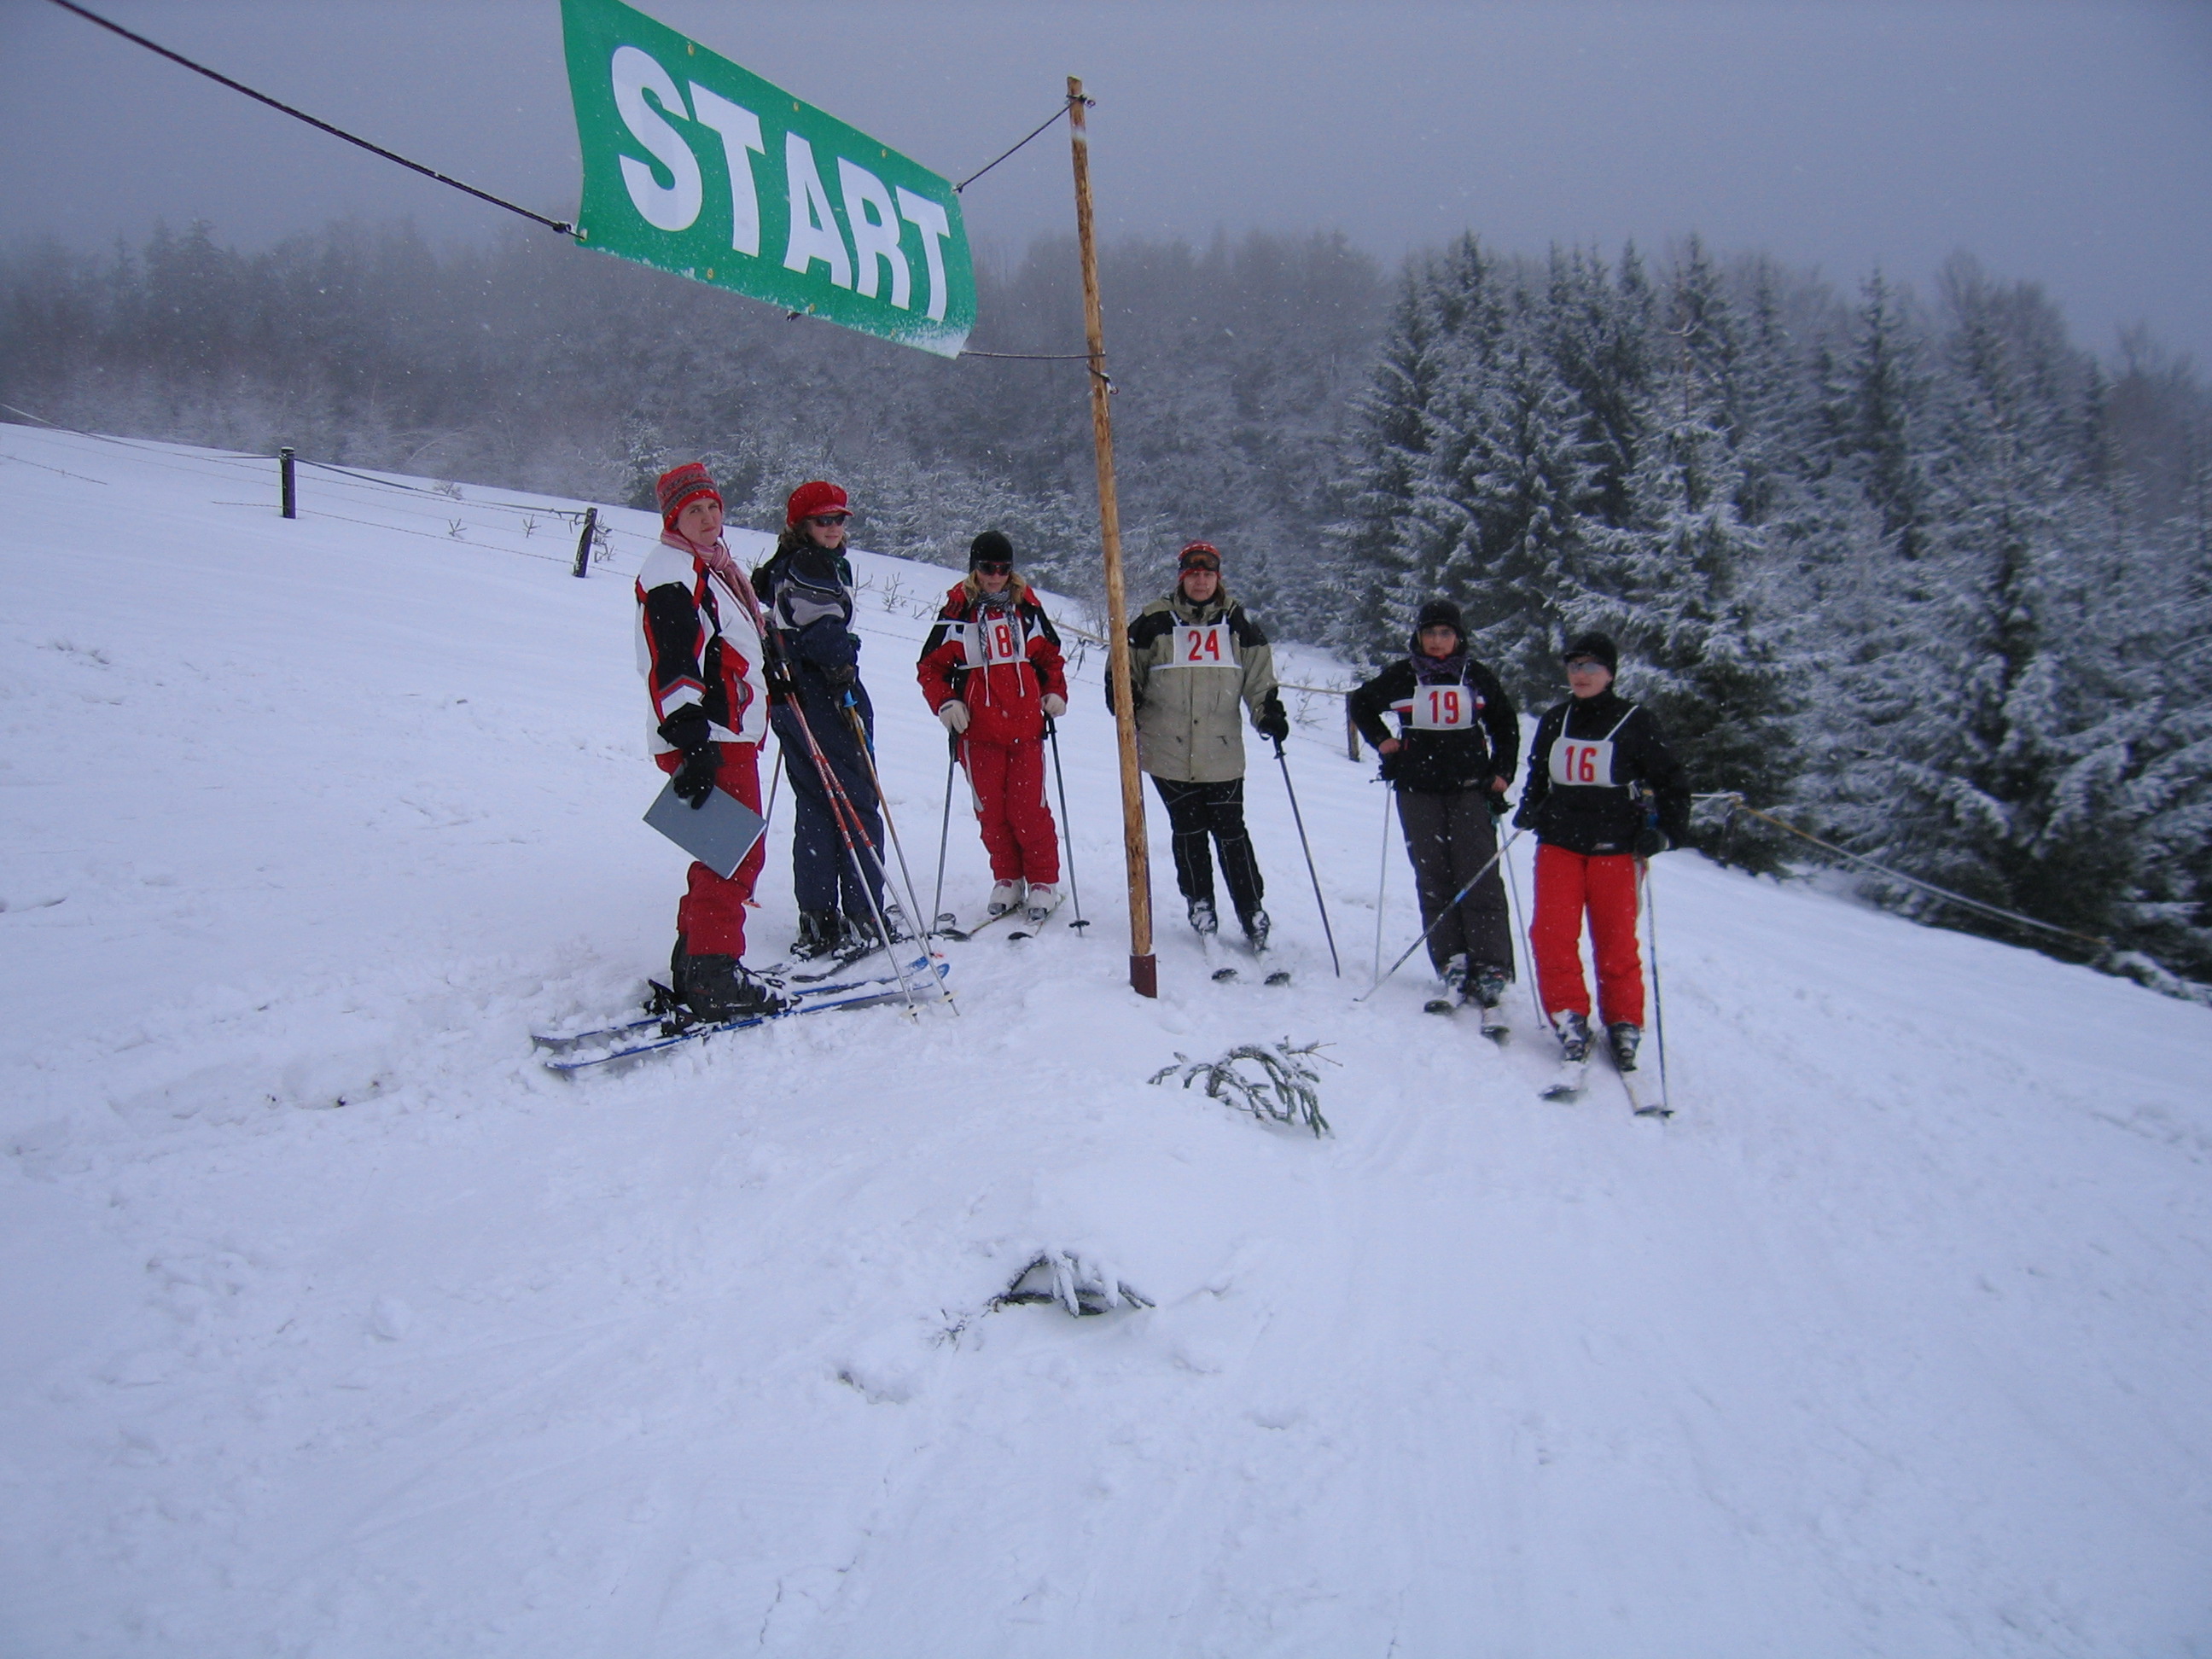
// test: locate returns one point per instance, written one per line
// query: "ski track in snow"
(338, 1326)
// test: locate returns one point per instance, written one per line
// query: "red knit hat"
(812, 500)
(680, 485)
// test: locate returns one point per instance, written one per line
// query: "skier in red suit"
(992, 671)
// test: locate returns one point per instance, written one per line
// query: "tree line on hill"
(1920, 572)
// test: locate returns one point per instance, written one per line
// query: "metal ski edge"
(872, 994)
(566, 1043)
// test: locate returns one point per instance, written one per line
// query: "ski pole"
(840, 806)
(1382, 879)
(1066, 825)
(1488, 865)
(943, 831)
(1658, 1002)
(883, 805)
(1297, 818)
(1528, 939)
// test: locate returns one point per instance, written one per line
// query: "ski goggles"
(992, 566)
(1201, 556)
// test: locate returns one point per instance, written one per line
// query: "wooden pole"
(1144, 966)
(584, 541)
(286, 489)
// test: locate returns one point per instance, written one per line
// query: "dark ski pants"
(1602, 885)
(822, 876)
(1007, 783)
(1197, 811)
(1450, 836)
(711, 920)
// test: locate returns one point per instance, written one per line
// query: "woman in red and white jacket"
(992, 671)
(699, 647)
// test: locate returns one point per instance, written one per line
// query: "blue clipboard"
(718, 833)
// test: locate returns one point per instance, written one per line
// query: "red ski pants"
(711, 919)
(1570, 885)
(1007, 781)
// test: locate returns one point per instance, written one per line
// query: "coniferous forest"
(1914, 570)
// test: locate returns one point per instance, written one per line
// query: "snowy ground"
(337, 1327)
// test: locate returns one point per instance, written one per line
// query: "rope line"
(1040, 126)
(564, 228)
(1737, 801)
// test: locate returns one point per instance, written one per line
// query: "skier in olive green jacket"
(1195, 656)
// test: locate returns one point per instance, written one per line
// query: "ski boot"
(1574, 1055)
(820, 932)
(1005, 896)
(1043, 899)
(716, 987)
(1623, 1039)
(1256, 926)
(1454, 975)
(1203, 919)
(1486, 991)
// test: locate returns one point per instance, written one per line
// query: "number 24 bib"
(1208, 645)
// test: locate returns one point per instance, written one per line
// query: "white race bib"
(992, 639)
(1582, 763)
(1443, 708)
(1207, 646)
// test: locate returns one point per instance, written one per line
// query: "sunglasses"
(993, 567)
(824, 520)
(1584, 665)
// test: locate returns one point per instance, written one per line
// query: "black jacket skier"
(1603, 817)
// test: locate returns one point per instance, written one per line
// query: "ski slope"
(337, 1326)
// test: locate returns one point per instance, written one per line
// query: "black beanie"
(993, 545)
(1600, 646)
(1440, 613)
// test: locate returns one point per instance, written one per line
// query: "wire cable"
(561, 226)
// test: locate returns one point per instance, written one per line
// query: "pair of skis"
(667, 1026)
(948, 925)
(1574, 1074)
(1493, 1016)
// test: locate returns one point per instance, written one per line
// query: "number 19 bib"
(1208, 645)
(1443, 708)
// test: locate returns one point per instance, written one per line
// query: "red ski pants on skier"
(1569, 886)
(1007, 779)
(711, 920)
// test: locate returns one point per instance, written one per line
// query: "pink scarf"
(716, 557)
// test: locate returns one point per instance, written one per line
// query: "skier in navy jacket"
(806, 587)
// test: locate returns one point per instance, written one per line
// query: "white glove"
(954, 714)
(1055, 706)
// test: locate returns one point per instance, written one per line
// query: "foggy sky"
(2065, 144)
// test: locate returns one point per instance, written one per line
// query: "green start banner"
(694, 166)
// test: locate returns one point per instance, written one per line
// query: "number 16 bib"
(1586, 763)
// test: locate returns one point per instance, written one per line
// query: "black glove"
(694, 780)
(1388, 770)
(1651, 840)
(781, 687)
(842, 675)
(1499, 806)
(1526, 817)
(688, 729)
(1273, 721)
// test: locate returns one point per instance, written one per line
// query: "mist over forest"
(1917, 567)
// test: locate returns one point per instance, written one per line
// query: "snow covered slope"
(335, 1325)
